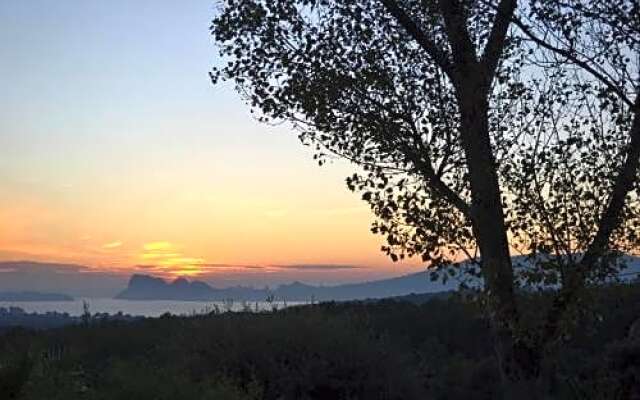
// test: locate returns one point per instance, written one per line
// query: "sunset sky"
(116, 152)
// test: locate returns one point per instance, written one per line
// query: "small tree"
(86, 313)
(467, 143)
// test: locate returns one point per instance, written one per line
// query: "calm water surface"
(145, 308)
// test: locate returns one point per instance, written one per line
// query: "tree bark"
(519, 363)
(472, 79)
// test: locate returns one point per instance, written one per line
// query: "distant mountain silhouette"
(51, 277)
(145, 287)
(418, 282)
(33, 296)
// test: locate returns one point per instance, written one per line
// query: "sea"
(146, 308)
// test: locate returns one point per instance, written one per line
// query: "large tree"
(468, 142)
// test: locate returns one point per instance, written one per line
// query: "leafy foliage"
(355, 84)
(393, 349)
(346, 76)
(480, 128)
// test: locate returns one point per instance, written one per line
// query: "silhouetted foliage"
(479, 127)
(390, 349)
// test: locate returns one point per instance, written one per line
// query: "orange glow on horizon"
(159, 172)
(198, 223)
(168, 259)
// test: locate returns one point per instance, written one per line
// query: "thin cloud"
(34, 267)
(112, 245)
(319, 267)
(145, 266)
(231, 266)
(201, 268)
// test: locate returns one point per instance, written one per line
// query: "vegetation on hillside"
(391, 349)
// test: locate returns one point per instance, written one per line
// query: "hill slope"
(144, 287)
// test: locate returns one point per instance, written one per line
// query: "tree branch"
(574, 59)
(464, 52)
(495, 43)
(608, 223)
(424, 166)
(440, 57)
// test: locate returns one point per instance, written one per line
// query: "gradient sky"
(116, 151)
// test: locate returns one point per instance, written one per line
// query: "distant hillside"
(144, 287)
(50, 277)
(33, 296)
(413, 283)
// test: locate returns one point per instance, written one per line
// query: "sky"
(117, 153)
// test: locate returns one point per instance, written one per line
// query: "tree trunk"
(519, 362)
(472, 78)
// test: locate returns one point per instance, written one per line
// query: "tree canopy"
(483, 128)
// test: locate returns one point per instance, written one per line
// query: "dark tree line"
(411, 348)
